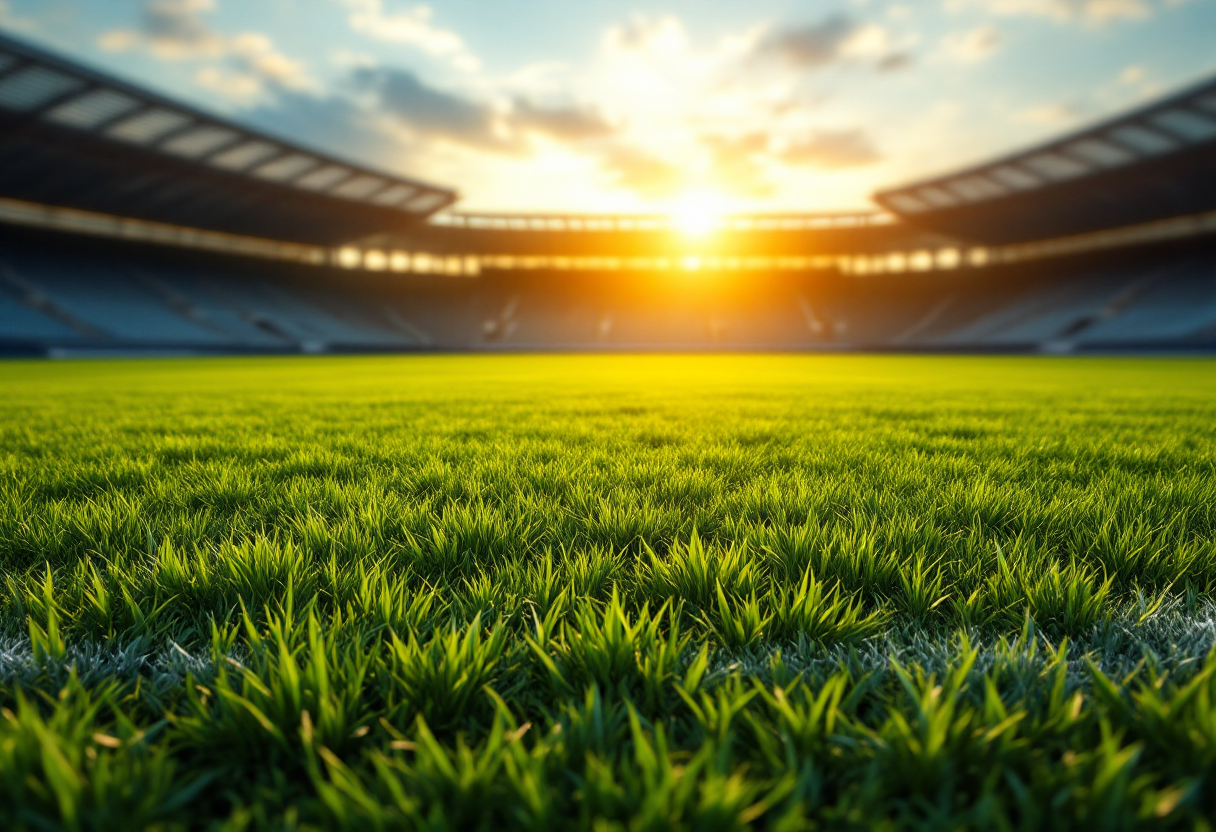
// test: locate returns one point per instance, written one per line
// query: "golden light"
(350, 257)
(697, 214)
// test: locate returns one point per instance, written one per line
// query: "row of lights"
(87, 222)
(660, 222)
(922, 260)
(378, 260)
(456, 265)
(36, 215)
(469, 265)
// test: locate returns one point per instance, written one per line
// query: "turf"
(609, 592)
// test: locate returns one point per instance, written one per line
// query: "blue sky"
(600, 105)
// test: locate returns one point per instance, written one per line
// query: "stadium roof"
(1156, 162)
(73, 137)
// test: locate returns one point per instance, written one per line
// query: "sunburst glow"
(697, 214)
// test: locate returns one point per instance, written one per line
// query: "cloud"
(729, 115)
(810, 45)
(411, 27)
(1095, 12)
(736, 164)
(643, 35)
(973, 45)
(568, 123)
(331, 122)
(833, 40)
(894, 62)
(237, 86)
(176, 30)
(833, 150)
(393, 118)
(670, 112)
(1050, 114)
(501, 126)
(426, 110)
(646, 175)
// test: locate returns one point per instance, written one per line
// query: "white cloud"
(249, 62)
(258, 52)
(973, 45)
(869, 41)
(1095, 12)
(733, 115)
(170, 29)
(832, 150)
(1049, 114)
(237, 86)
(656, 38)
(833, 41)
(411, 27)
(1134, 81)
(752, 116)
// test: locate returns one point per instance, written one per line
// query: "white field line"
(1172, 639)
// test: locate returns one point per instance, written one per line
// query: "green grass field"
(608, 592)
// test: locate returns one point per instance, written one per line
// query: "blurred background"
(200, 176)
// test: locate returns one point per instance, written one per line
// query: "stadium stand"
(70, 136)
(162, 300)
(130, 223)
(1155, 162)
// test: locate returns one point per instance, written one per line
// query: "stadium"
(133, 223)
(326, 504)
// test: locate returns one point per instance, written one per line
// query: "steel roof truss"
(46, 100)
(1186, 124)
(32, 88)
(199, 141)
(92, 107)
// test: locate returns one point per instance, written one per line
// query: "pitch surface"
(610, 591)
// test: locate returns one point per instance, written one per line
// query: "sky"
(612, 106)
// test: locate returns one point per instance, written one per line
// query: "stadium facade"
(132, 223)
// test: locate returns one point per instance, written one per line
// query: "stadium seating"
(136, 299)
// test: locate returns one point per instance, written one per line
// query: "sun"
(697, 214)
